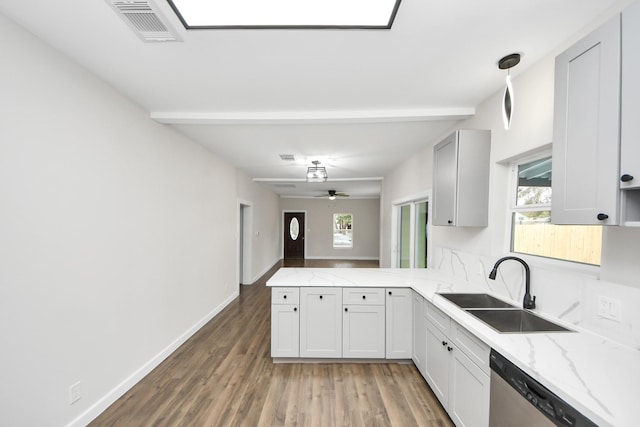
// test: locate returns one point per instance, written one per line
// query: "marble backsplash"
(569, 296)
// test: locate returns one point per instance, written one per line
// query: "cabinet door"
(438, 361)
(630, 109)
(285, 327)
(419, 343)
(399, 319)
(321, 322)
(586, 129)
(363, 331)
(469, 392)
(445, 169)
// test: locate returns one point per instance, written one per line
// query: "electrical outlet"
(609, 308)
(75, 393)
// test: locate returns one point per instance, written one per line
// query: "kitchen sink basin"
(516, 321)
(467, 301)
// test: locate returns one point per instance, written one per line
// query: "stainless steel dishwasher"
(519, 400)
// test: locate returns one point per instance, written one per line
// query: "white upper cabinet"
(461, 179)
(586, 129)
(630, 110)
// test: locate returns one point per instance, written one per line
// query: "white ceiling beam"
(313, 117)
(368, 178)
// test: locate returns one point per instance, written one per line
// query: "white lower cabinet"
(419, 341)
(285, 330)
(285, 322)
(457, 369)
(438, 362)
(468, 392)
(321, 322)
(399, 321)
(363, 331)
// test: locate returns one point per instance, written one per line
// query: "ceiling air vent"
(146, 22)
(287, 157)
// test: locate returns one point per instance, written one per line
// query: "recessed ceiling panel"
(212, 14)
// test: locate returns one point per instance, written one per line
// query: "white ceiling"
(360, 101)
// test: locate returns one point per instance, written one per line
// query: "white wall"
(264, 240)
(114, 237)
(319, 231)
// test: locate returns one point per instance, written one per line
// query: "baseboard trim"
(101, 405)
(263, 272)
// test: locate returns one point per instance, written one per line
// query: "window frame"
(512, 208)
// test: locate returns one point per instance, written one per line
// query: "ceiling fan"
(332, 194)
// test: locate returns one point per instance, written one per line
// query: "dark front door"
(293, 235)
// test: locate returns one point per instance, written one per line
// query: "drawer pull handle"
(444, 343)
(449, 348)
(602, 216)
(626, 177)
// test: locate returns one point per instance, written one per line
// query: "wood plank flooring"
(224, 376)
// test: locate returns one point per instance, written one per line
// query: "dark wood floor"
(224, 376)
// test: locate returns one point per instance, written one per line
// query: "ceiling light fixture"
(507, 63)
(316, 173)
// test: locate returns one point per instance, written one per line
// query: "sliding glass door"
(412, 235)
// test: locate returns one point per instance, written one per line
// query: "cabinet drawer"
(470, 345)
(285, 295)
(437, 317)
(363, 296)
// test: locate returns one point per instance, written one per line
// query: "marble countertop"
(597, 376)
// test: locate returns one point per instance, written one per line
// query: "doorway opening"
(245, 230)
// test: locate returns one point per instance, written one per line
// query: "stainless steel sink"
(466, 301)
(516, 321)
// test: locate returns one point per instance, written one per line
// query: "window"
(342, 230)
(531, 230)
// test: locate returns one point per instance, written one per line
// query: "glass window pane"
(534, 183)
(294, 228)
(342, 230)
(533, 233)
(421, 235)
(405, 237)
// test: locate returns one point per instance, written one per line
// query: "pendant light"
(316, 173)
(507, 98)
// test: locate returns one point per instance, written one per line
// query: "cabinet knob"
(284, 296)
(449, 348)
(449, 221)
(320, 296)
(444, 343)
(346, 309)
(602, 216)
(364, 297)
(390, 293)
(626, 177)
(295, 308)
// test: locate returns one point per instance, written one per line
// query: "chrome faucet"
(529, 301)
